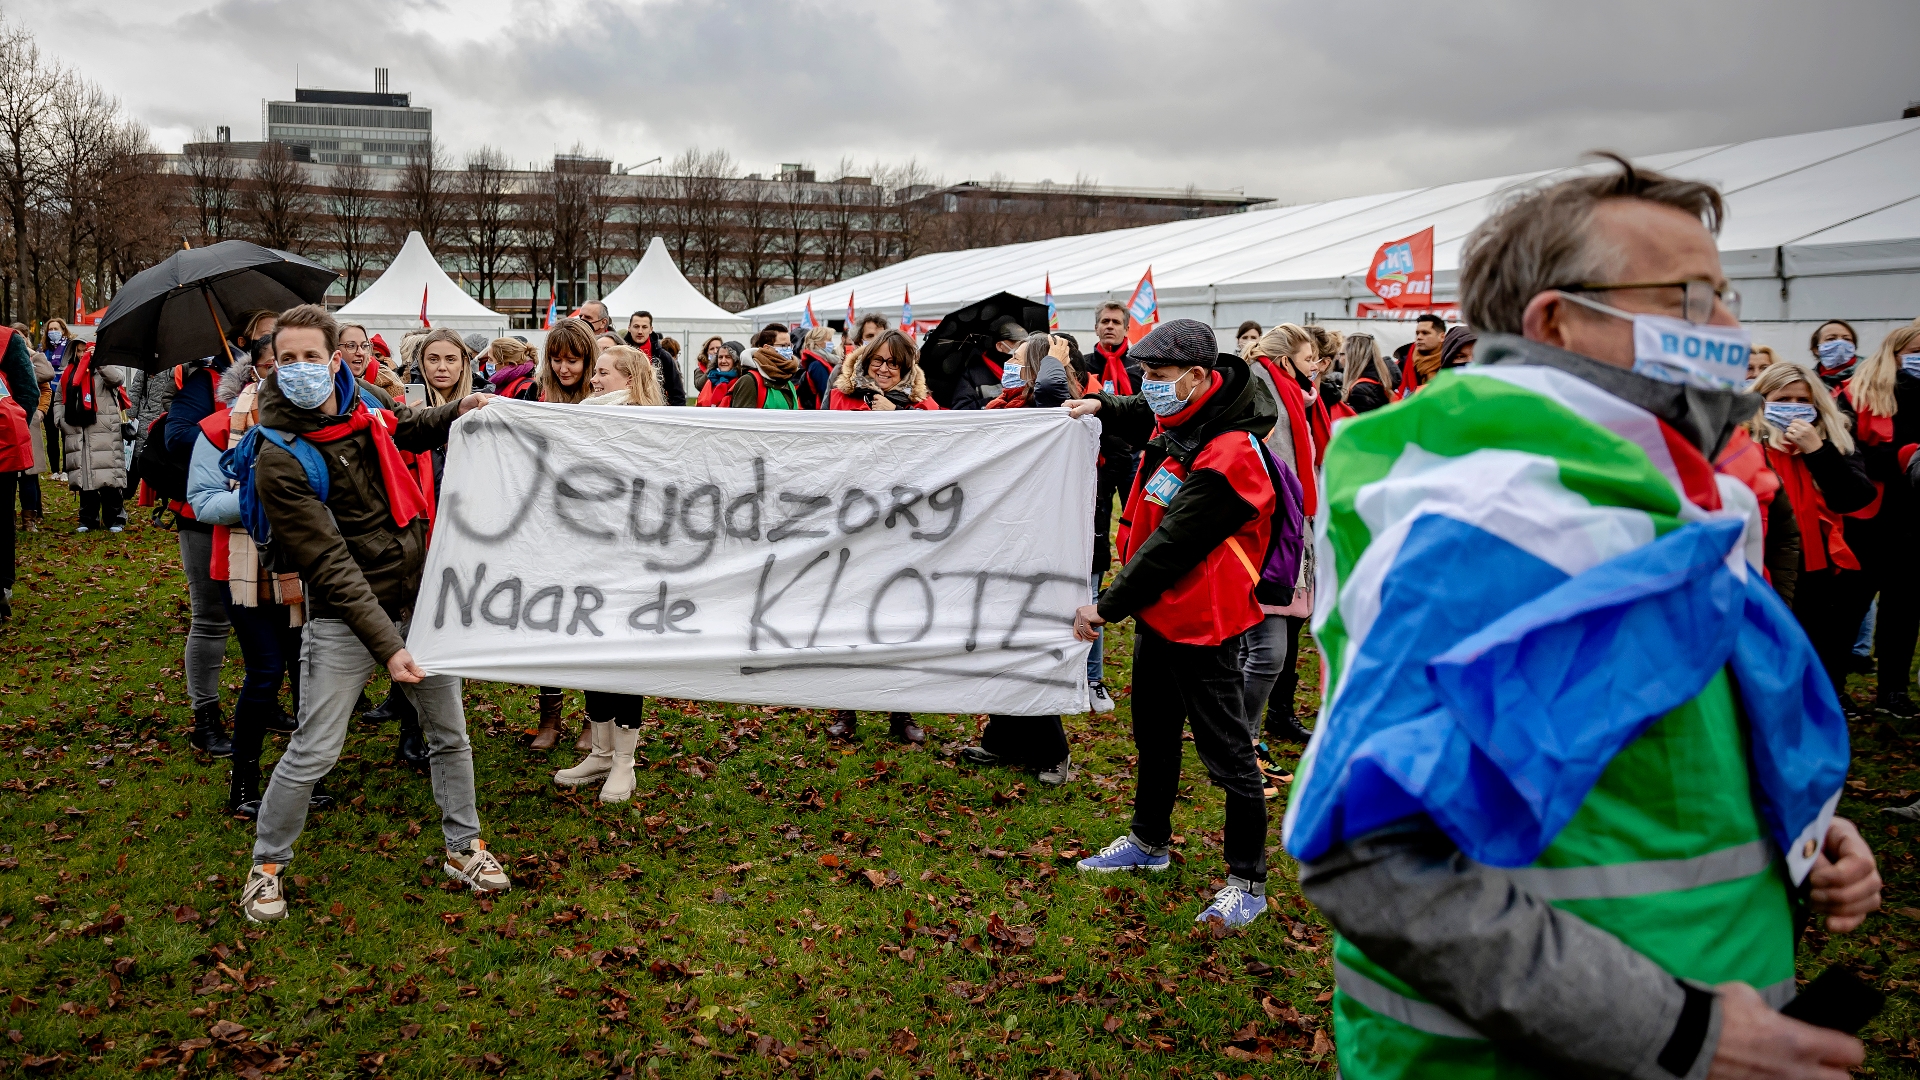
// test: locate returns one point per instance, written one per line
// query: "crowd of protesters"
(1213, 457)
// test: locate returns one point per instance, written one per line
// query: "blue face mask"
(1910, 363)
(1161, 397)
(1011, 378)
(1677, 351)
(1782, 413)
(305, 384)
(785, 350)
(1835, 354)
(55, 337)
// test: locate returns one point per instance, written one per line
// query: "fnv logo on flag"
(1401, 273)
(906, 310)
(1143, 310)
(807, 321)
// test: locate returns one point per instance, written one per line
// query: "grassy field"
(769, 902)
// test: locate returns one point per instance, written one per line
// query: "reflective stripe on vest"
(1434, 1020)
(1640, 878)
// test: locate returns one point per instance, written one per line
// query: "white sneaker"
(1058, 774)
(82, 529)
(1098, 698)
(114, 528)
(261, 901)
(478, 868)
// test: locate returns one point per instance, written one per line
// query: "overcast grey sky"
(1297, 99)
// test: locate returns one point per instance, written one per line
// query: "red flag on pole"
(79, 309)
(1401, 273)
(423, 308)
(1143, 309)
(849, 311)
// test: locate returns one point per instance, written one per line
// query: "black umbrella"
(963, 334)
(184, 308)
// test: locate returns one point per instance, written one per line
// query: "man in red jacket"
(1195, 529)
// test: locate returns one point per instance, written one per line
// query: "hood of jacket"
(1705, 418)
(234, 380)
(1240, 404)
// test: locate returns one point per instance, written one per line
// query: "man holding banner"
(354, 520)
(1199, 514)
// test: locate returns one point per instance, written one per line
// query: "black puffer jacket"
(1207, 509)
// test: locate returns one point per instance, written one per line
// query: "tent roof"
(1837, 201)
(657, 286)
(396, 295)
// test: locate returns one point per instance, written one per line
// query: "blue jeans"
(1863, 641)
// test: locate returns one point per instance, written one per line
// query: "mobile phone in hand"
(1839, 1000)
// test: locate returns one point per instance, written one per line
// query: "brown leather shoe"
(901, 728)
(845, 723)
(584, 743)
(549, 732)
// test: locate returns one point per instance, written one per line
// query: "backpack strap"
(307, 454)
(760, 382)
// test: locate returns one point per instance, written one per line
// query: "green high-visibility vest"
(1667, 854)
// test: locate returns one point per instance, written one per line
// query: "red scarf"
(1822, 537)
(997, 367)
(1294, 400)
(646, 345)
(1322, 423)
(409, 483)
(76, 391)
(1192, 407)
(1114, 369)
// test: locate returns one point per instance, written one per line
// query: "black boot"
(901, 728)
(845, 724)
(1286, 729)
(279, 721)
(210, 731)
(243, 791)
(387, 709)
(411, 748)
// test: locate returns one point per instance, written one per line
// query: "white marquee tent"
(658, 287)
(1821, 225)
(391, 305)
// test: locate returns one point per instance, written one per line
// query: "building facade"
(347, 127)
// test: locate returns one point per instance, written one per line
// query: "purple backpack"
(1280, 571)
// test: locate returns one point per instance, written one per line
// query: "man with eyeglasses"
(1577, 759)
(595, 314)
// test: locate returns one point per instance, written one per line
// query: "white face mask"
(1677, 351)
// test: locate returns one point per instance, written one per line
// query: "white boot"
(594, 765)
(619, 785)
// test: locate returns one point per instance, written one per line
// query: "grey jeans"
(334, 666)
(207, 636)
(1268, 655)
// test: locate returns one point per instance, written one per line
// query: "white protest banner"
(918, 561)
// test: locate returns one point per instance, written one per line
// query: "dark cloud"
(1296, 99)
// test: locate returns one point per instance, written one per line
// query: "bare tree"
(794, 212)
(840, 217)
(352, 206)
(212, 174)
(282, 206)
(533, 240)
(757, 233)
(134, 225)
(486, 212)
(562, 194)
(83, 131)
(602, 234)
(420, 196)
(28, 87)
(910, 217)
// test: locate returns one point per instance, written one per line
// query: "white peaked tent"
(391, 305)
(1820, 225)
(657, 287)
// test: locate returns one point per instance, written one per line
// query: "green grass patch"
(769, 902)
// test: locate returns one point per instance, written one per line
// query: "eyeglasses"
(1698, 296)
(357, 346)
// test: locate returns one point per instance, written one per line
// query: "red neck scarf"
(1192, 408)
(995, 366)
(1322, 423)
(407, 477)
(1294, 400)
(1823, 540)
(1114, 368)
(76, 390)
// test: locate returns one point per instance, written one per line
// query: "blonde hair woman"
(446, 366)
(1759, 359)
(1824, 477)
(622, 375)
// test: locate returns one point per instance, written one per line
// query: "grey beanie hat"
(477, 341)
(1186, 342)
